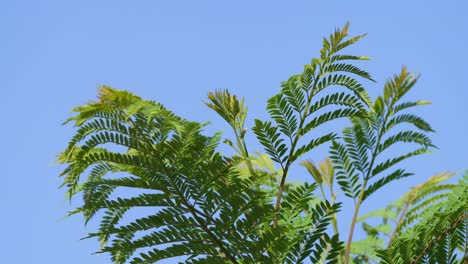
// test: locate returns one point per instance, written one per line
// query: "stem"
(214, 238)
(361, 196)
(335, 221)
(200, 221)
(322, 192)
(280, 194)
(244, 152)
(400, 221)
(334, 218)
(439, 237)
(289, 162)
(364, 184)
(205, 228)
(335, 225)
(353, 223)
(293, 147)
(465, 253)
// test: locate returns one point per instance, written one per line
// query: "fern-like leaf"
(269, 137)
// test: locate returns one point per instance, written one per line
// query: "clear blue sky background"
(54, 54)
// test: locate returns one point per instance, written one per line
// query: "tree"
(133, 157)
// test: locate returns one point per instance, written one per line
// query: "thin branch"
(400, 222)
(439, 237)
(363, 189)
(353, 223)
(200, 221)
(303, 115)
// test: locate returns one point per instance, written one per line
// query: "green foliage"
(233, 112)
(360, 168)
(399, 215)
(171, 166)
(204, 209)
(160, 190)
(307, 101)
(303, 103)
(369, 138)
(440, 236)
(323, 173)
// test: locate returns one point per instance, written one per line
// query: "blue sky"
(54, 55)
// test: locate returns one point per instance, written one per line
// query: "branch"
(293, 146)
(438, 238)
(400, 222)
(200, 221)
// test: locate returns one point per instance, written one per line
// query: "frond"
(292, 91)
(344, 57)
(131, 156)
(409, 208)
(228, 107)
(269, 137)
(410, 119)
(358, 140)
(344, 81)
(172, 169)
(322, 172)
(406, 137)
(296, 110)
(345, 67)
(396, 175)
(313, 144)
(345, 170)
(393, 161)
(439, 236)
(283, 113)
(395, 88)
(341, 99)
(328, 116)
(406, 105)
(366, 248)
(368, 137)
(358, 158)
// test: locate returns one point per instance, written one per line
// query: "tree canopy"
(160, 188)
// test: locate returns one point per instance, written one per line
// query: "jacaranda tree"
(160, 189)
